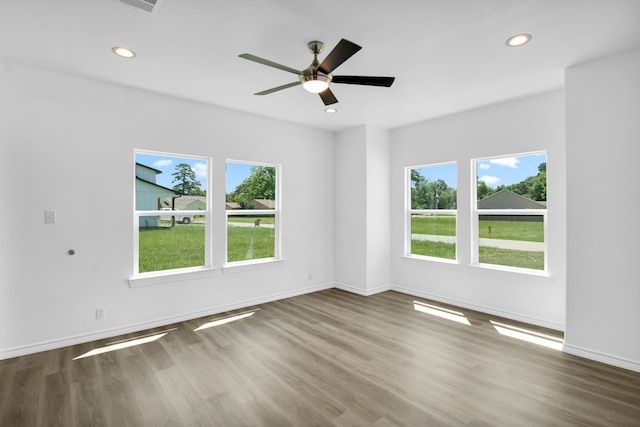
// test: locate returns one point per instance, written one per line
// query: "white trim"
(144, 279)
(109, 333)
(476, 213)
(366, 292)
(601, 357)
(422, 259)
(408, 236)
(276, 212)
(253, 264)
(169, 276)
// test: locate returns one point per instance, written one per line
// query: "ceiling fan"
(317, 76)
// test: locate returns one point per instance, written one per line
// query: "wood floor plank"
(330, 358)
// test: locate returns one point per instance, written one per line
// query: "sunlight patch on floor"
(444, 313)
(528, 335)
(224, 320)
(123, 344)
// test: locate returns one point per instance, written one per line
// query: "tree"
(187, 184)
(427, 194)
(260, 184)
(483, 190)
(532, 187)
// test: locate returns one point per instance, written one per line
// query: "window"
(510, 214)
(252, 206)
(431, 218)
(172, 213)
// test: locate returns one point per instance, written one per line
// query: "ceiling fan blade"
(268, 63)
(364, 80)
(275, 89)
(328, 97)
(343, 51)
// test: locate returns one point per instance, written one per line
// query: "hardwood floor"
(328, 358)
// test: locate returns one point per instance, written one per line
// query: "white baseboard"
(602, 357)
(79, 339)
(363, 292)
(108, 333)
(481, 308)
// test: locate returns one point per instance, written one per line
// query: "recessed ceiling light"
(123, 52)
(518, 40)
(330, 110)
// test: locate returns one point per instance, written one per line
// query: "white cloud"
(490, 180)
(161, 163)
(484, 166)
(200, 169)
(510, 162)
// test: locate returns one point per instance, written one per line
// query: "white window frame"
(475, 221)
(409, 212)
(164, 276)
(276, 213)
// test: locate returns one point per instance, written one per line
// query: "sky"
(446, 172)
(235, 172)
(509, 170)
(494, 172)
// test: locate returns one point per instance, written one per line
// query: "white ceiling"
(447, 55)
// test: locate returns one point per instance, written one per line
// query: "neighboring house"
(186, 203)
(505, 199)
(264, 204)
(257, 204)
(149, 194)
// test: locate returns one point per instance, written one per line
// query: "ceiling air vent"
(147, 5)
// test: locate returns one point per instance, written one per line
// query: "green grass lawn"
(251, 220)
(182, 246)
(165, 248)
(442, 225)
(511, 258)
(434, 249)
(488, 255)
(246, 243)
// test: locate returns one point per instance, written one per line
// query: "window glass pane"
(434, 187)
(251, 232)
(165, 182)
(250, 237)
(169, 188)
(433, 235)
(511, 240)
(165, 247)
(250, 186)
(516, 182)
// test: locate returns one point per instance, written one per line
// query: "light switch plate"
(49, 217)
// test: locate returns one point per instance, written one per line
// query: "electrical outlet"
(99, 313)
(49, 217)
(310, 276)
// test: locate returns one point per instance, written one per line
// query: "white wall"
(362, 210)
(378, 210)
(350, 212)
(525, 125)
(603, 231)
(67, 145)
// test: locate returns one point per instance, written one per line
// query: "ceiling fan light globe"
(315, 83)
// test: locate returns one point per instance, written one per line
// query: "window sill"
(422, 259)
(160, 278)
(516, 270)
(239, 266)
